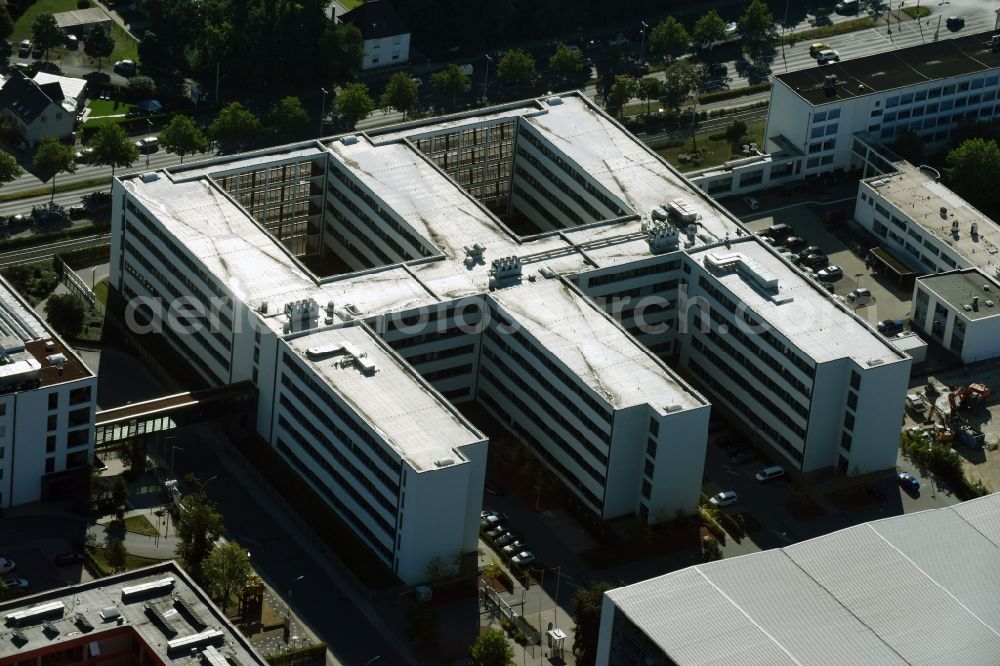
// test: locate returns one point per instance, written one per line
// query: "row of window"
(601, 409)
(595, 215)
(942, 91)
(549, 195)
(372, 228)
(344, 439)
(375, 446)
(650, 269)
(573, 481)
(535, 208)
(360, 526)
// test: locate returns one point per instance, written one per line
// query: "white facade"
(385, 51)
(522, 259)
(816, 114)
(47, 407)
(959, 311)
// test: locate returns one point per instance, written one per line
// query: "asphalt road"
(48, 250)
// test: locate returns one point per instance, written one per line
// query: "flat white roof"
(395, 402)
(71, 87)
(920, 198)
(569, 326)
(799, 309)
(877, 593)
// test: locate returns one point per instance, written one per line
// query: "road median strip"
(67, 187)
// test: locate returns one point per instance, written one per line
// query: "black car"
(890, 326)
(955, 22)
(67, 559)
(815, 261)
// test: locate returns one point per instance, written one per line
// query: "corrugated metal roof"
(922, 588)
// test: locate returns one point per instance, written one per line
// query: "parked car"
(815, 261)
(859, 297)
(148, 144)
(25, 48)
(126, 67)
(37, 52)
(915, 404)
(18, 220)
(6, 565)
(818, 47)
(417, 81)
(76, 212)
(48, 216)
(908, 482)
(955, 23)
(524, 558)
(496, 531)
(794, 242)
(828, 56)
(67, 559)
(751, 203)
(890, 326)
(718, 69)
(72, 42)
(779, 232)
(82, 156)
(515, 547)
(725, 498)
(770, 473)
(742, 456)
(507, 538)
(830, 273)
(16, 583)
(812, 249)
(7, 47)
(847, 6)
(492, 518)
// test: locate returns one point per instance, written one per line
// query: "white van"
(860, 297)
(770, 473)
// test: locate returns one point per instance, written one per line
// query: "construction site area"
(957, 408)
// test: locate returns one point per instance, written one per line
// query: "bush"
(940, 461)
(732, 93)
(83, 4)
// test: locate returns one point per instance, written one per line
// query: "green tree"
(6, 22)
(623, 89)
(143, 87)
(113, 148)
(668, 36)
(909, 145)
(234, 127)
(119, 491)
(354, 103)
(400, 93)
(197, 528)
(9, 168)
(710, 28)
(153, 53)
(516, 67)
(290, 117)
(226, 571)
(451, 81)
(649, 89)
(340, 50)
(46, 33)
(971, 171)
(587, 604)
(183, 137)
(757, 22)
(65, 312)
(116, 554)
(735, 131)
(53, 157)
(98, 43)
(679, 81)
(491, 648)
(566, 62)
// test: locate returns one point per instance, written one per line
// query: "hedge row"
(731, 93)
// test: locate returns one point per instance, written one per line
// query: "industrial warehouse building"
(885, 592)
(535, 259)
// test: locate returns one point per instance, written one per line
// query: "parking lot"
(805, 218)
(32, 536)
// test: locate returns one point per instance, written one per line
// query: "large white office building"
(47, 402)
(536, 259)
(824, 119)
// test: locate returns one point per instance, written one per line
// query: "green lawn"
(351, 4)
(140, 525)
(22, 26)
(713, 149)
(917, 12)
(126, 48)
(109, 107)
(101, 292)
(131, 561)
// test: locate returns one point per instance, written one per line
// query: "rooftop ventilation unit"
(349, 140)
(661, 236)
(872, 362)
(18, 637)
(682, 211)
(954, 227)
(110, 613)
(659, 214)
(474, 254)
(192, 617)
(504, 271)
(157, 616)
(670, 409)
(212, 657)
(444, 462)
(50, 346)
(989, 304)
(151, 589)
(81, 621)
(150, 177)
(975, 228)
(263, 307)
(302, 315)
(49, 629)
(830, 83)
(56, 359)
(184, 644)
(554, 101)
(36, 613)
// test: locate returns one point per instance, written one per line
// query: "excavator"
(968, 397)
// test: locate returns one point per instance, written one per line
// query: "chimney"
(975, 304)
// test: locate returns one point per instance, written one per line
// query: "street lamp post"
(322, 110)
(486, 83)
(858, 277)
(642, 41)
(173, 453)
(373, 660)
(93, 276)
(290, 592)
(555, 610)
